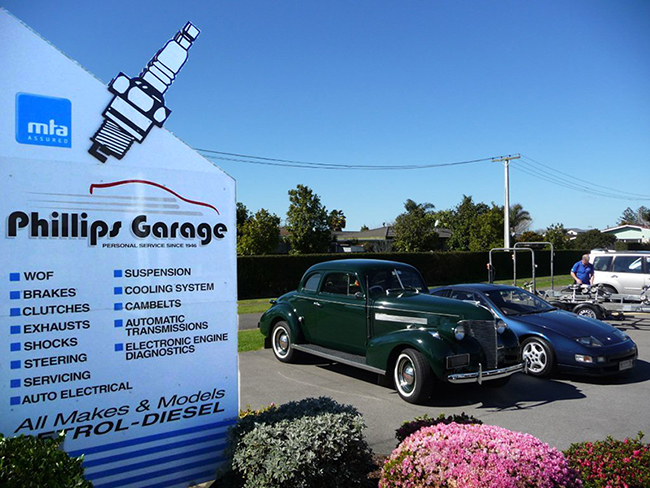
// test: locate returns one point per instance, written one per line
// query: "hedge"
(270, 276)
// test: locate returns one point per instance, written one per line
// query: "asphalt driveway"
(558, 411)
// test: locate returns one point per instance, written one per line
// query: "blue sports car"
(551, 338)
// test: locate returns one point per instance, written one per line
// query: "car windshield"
(515, 301)
(386, 280)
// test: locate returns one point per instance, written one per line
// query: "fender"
(427, 341)
(281, 311)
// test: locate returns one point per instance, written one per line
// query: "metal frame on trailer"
(514, 250)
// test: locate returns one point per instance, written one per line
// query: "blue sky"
(376, 82)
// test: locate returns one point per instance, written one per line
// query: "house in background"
(630, 233)
(574, 232)
(375, 240)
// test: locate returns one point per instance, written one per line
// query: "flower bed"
(476, 456)
(612, 463)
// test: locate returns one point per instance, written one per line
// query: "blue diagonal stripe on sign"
(150, 438)
(154, 462)
(152, 450)
(157, 474)
(195, 477)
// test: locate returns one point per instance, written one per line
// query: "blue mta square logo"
(44, 121)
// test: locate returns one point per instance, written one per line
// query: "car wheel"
(539, 356)
(281, 342)
(413, 376)
(610, 289)
(588, 310)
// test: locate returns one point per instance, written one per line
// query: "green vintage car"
(379, 316)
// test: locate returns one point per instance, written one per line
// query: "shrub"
(412, 426)
(32, 461)
(612, 463)
(473, 456)
(312, 443)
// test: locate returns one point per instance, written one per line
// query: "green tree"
(415, 229)
(594, 239)
(260, 234)
(242, 217)
(336, 220)
(641, 216)
(520, 219)
(486, 231)
(530, 236)
(557, 235)
(461, 220)
(307, 222)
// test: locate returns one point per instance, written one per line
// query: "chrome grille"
(485, 332)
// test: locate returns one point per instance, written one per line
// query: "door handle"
(614, 276)
(317, 304)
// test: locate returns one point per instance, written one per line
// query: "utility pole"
(506, 207)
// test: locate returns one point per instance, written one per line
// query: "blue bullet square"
(14, 295)
(119, 347)
(119, 323)
(117, 290)
(14, 276)
(15, 346)
(15, 364)
(15, 401)
(15, 383)
(117, 306)
(117, 273)
(15, 329)
(14, 312)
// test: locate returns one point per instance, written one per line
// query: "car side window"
(462, 295)
(441, 293)
(647, 264)
(336, 284)
(628, 264)
(312, 282)
(602, 263)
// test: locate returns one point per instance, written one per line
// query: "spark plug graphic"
(138, 103)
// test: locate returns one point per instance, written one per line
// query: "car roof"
(482, 287)
(362, 265)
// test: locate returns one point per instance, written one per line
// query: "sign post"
(118, 283)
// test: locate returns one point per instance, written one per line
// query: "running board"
(337, 356)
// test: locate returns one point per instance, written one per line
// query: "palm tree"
(520, 219)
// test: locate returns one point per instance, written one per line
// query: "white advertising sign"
(118, 284)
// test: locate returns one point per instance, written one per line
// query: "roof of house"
(626, 226)
(379, 234)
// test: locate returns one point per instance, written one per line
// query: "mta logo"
(44, 121)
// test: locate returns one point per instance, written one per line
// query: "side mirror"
(359, 295)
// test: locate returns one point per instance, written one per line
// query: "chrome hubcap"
(587, 313)
(281, 342)
(535, 355)
(405, 375)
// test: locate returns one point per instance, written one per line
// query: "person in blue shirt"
(583, 271)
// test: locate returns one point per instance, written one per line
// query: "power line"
(532, 168)
(572, 186)
(331, 166)
(573, 178)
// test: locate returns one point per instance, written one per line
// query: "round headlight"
(459, 332)
(501, 326)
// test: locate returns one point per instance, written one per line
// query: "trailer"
(596, 302)
(590, 301)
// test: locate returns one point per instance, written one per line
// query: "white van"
(624, 272)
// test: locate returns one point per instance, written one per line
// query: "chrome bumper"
(480, 376)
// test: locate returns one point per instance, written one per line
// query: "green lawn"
(256, 305)
(543, 282)
(250, 340)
